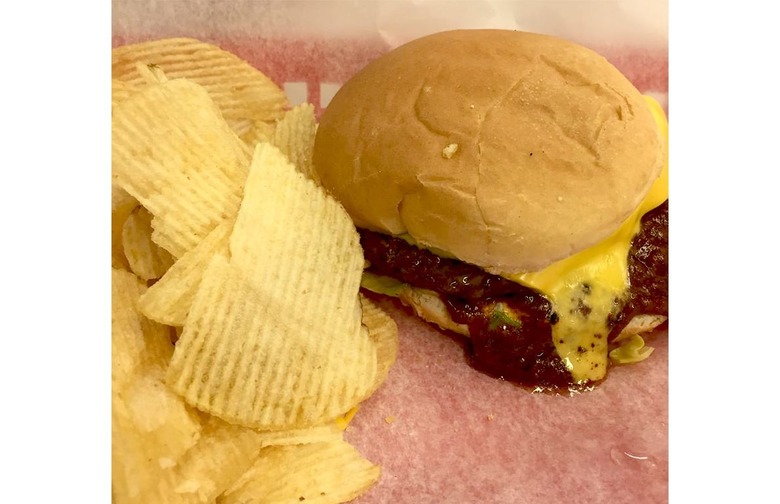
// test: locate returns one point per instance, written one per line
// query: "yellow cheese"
(584, 288)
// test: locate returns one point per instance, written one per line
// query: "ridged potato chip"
(122, 205)
(315, 434)
(325, 473)
(168, 301)
(146, 259)
(274, 337)
(254, 132)
(294, 136)
(186, 168)
(241, 91)
(121, 91)
(383, 330)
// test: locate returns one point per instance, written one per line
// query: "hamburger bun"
(504, 149)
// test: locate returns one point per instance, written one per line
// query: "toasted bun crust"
(508, 150)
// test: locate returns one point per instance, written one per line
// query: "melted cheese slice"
(585, 287)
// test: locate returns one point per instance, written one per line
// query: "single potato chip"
(252, 360)
(240, 91)
(274, 337)
(122, 205)
(146, 259)
(151, 426)
(168, 301)
(330, 472)
(188, 169)
(255, 132)
(384, 331)
(136, 342)
(122, 90)
(316, 434)
(294, 136)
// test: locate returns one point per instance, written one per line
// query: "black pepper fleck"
(582, 308)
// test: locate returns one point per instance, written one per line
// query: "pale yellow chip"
(241, 91)
(384, 331)
(330, 431)
(168, 301)
(122, 205)
(136, 342)
(121, 91)
(250, 359)
(162, 426)
(146, 259)
(224, 453)
(294, 136)
(274, 337)
(255, 132)
(331, 472)
(150, 425)
(174, 153)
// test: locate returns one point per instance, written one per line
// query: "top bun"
(508, 150)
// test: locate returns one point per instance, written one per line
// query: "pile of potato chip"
(241, 346)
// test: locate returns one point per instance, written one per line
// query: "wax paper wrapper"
(441, 431)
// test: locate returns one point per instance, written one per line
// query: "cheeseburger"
(510, 187)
